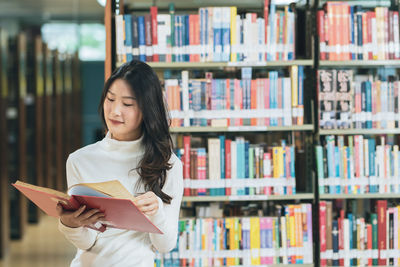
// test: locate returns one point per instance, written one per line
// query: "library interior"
(284, 114)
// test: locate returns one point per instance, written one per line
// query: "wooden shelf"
(360, 63)
(360, 196)
(199, 129)
(301, 196)
(220, 65)
(358, 131)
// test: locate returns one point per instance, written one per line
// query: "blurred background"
(52, 56)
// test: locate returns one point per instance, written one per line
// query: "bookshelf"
(257, 132)
(360, 63)
(361, 196)
(221, 65)
(199, 129)
(298, 196)
(339, 212)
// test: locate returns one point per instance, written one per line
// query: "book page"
(43, 189)
(104, 189)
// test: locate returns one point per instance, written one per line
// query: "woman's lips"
(115, 122)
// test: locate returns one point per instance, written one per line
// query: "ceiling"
(46, 10)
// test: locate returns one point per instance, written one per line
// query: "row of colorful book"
(236, 167)
(350, 33)
(349, 239)
(357, 101)
(272, 101)
(244, 241)
(358, 167)
(214, 34)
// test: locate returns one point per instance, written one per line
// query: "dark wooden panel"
(59, 95)
(4, 201)
(17, 134)
(76, 103)
(49, 171)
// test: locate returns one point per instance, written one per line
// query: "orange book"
(111, 198)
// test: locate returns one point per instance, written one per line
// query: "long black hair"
(157, 141)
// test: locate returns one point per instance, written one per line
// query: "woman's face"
(121, 112)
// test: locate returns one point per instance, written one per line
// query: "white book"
(226, 28)
(185, 96)
(210, 35)
(396, 37)
(284, 239)
(163, 33)
(119, 32)
(248, 42)
(214, 162)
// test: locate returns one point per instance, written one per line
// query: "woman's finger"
(79, 211)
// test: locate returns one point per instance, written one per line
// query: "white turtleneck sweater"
(107, 160)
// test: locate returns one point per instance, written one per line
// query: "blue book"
(240, 163)
(335, 243)
(272, 36)
(358, 10)
(292, 166)
(246, 79)
(217, 28)
(300, 85)
(320, 167)
(187, 43)
(128, 37)
(352, 42)
(337, 169)
(135, 38)
(222, 162)
(171, 8)
(246, 153)
(142, 39)
(273, 95)
(371, 159)
(226, 33)
(351, 222)
(368, 96)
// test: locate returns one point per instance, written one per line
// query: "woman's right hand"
(79, 217)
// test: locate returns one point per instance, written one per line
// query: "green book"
(374, 222)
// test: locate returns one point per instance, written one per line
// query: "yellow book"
(233, 34)
(294, 74)
(255, 240)
(277, 160)
(238, 237)
(229, 227)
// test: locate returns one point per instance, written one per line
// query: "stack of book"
(236, 167)
(358, 167)
(357, 101)
(352, 240)
(244, 241)
(350, 33)
(272, 101)
(213, 34)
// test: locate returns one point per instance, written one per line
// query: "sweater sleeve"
(81, 237)
(167, 216)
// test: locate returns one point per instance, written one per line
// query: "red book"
(228, 169)
(186, 163)
(321, 34)
(196, 21)
(153, 13)
(253, 100)
(322, 232)
(381, 206)
(94, 196)
(370, 15)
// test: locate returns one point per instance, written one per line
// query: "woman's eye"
(128, 105)
(110, 99)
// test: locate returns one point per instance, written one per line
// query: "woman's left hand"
(147, 203)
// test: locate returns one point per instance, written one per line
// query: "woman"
(137, 151)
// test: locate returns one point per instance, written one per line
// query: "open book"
(111, 198)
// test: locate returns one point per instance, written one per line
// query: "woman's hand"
(80, 217)
(147, 203)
